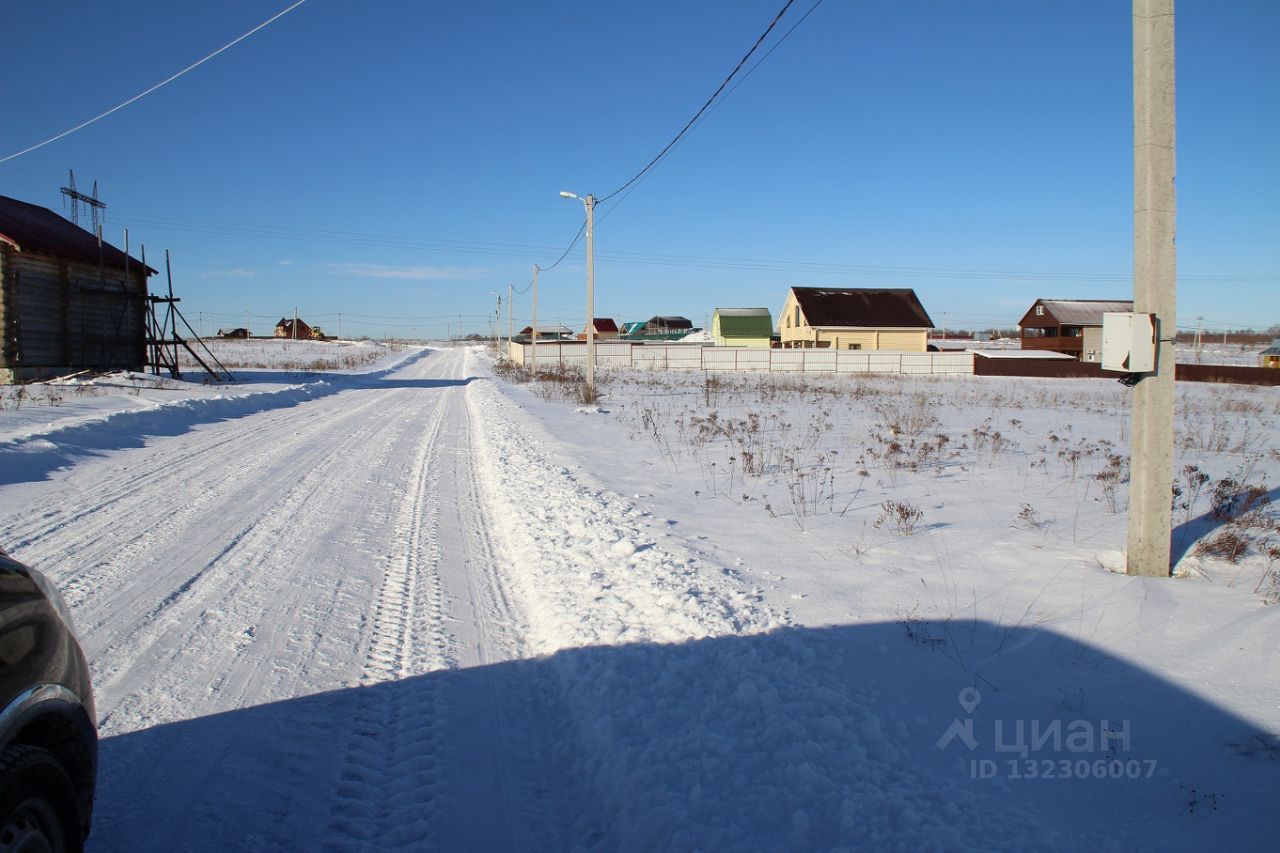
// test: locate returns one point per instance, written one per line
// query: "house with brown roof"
(1070, 326)
(854, 318)
(68, 301)
(606, 330)
(294, 330)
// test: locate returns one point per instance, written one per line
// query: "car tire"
(37, 803)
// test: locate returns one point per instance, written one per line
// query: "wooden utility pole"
(533, 327)
(1154, 285)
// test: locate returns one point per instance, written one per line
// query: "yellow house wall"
(867, 339)
(913, 340)
(788, 331)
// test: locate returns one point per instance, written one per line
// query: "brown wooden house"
(68, 302)
(294, 330)
(1069, 326)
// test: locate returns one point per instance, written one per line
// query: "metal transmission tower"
(76, 197)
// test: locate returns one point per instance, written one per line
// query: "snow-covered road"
(307, 550)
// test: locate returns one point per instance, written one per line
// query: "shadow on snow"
(889, 734)
(33, 459)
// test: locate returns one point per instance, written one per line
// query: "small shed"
(68, 301)
(742, 327)
(1069, 326)
(233, 333)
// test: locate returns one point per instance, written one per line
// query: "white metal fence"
(711, 358)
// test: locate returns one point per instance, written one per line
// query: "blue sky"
(396, 162)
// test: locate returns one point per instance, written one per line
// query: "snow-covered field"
(405, 604)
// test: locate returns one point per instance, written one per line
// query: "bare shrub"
(1110, 478)
(1269, 584)
(1227, 544)
(1191, 483)
(909, 418)
(901, 516)
(1029, 518)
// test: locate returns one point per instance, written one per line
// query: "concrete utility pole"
(1154, 285)
(589, 202)
(509, 329)
(533, 328)
(295, 323)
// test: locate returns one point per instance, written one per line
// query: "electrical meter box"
(1129, 342)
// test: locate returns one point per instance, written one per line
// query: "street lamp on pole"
(589, 203)
(497, 317)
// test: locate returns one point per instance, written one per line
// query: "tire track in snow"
(387, 789)
(227, 598)
(84, 551)
(524, 796)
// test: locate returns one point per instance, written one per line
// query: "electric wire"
(164, 82)
(581, 230)
(717, 104)
(704, 107)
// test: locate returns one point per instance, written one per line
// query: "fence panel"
(741, 359)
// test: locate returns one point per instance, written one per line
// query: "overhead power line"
(581, 230)
(164, 82)
(703, 108)
(605, 215)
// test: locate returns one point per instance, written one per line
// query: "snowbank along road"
(391, 617)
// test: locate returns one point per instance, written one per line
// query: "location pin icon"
(969, 699)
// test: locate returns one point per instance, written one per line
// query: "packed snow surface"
(395, 602)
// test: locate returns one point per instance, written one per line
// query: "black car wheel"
(37, 804)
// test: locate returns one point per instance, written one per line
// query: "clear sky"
(397, 162)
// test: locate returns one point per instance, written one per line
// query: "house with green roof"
(742, 327)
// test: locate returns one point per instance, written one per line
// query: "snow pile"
(591, 567)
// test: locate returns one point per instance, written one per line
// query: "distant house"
(1270, 357)
(742, 327)
(854, 318)
(1069, 326)
(606, 330)
(661, 325)
(658, 329)
(295, 330)
(545, 333)
(68, 302)
(233, 333)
